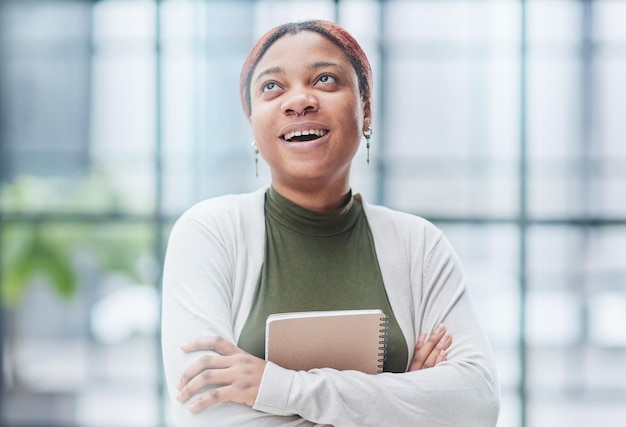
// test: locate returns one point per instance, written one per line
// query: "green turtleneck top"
(319, 261)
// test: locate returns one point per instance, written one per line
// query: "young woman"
(308, 243)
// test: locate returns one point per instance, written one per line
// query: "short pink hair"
(331, 31)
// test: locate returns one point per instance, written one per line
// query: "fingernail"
(439, 330)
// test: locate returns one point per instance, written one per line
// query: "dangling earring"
(368, 134)
(256, 158)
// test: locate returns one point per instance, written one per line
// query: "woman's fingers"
(200, 369)
(438, 354)
(229, 375)
(208, 361)
(216, 395)
(429, 352)
(217, 344)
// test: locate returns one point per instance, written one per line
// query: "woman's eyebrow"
(271, 70)
(323, 64)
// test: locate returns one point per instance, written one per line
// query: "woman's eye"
(326, 79)
(270, 86)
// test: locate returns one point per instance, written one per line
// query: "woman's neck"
(320, 200)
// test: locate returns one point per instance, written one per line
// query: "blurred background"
(502, 121)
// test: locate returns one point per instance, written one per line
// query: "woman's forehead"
(306, 49)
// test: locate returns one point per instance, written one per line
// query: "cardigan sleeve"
(463, 391)
(197, 301)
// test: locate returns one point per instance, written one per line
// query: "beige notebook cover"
(343, 340)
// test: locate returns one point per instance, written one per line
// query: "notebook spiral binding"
(382, 343)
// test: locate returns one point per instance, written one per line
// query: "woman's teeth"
(310, 132)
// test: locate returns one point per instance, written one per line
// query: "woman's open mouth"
(304, 135)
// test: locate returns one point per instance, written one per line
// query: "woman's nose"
(299, 103)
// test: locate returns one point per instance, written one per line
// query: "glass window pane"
(554, 318)
(610, 133)
(554, 21)
(608, 21)
(124, 21)
(607, 319)
(547, 412)
(270, 13)
(452, 21)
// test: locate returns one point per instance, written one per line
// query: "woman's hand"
(429, 353)
(236, 374)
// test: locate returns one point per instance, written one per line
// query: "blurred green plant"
(36, 245)
(30, 252)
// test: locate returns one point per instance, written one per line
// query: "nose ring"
(300, 114)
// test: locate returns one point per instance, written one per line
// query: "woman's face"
(307, 115)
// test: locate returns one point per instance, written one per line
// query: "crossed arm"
(237, 374)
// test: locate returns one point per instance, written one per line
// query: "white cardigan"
(213, 261)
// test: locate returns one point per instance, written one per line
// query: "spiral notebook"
(341, 339)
